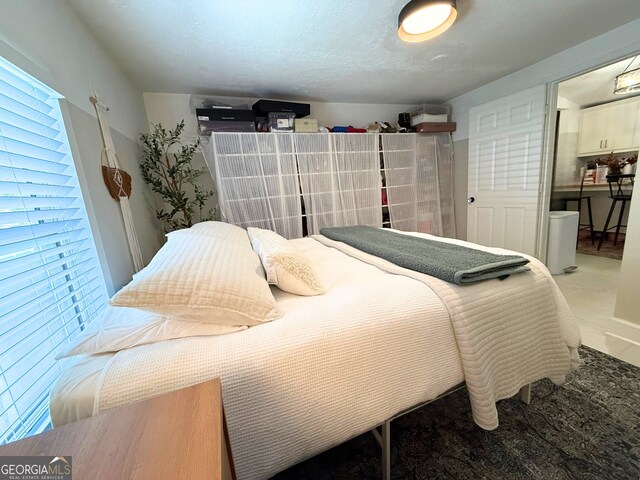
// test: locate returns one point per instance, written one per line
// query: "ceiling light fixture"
(421, 20)
(628, 81)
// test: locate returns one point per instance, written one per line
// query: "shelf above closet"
(429, 127)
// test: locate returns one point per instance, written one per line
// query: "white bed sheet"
(74, 394)
(332, 367)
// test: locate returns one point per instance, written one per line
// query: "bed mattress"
(294, 387)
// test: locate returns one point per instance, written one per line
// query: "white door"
(505, 156)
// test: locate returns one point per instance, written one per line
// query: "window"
(51, 284)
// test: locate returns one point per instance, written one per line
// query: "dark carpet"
(589, 428)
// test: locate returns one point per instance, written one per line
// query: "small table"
(178, 435)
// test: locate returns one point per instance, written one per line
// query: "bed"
(381, 340)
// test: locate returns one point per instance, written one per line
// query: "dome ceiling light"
(421, 20)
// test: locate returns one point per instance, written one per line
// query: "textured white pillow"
(285, 265)
(208, 274)
(118, 328)
(220, 230)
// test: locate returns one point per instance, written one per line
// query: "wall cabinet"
(611, 127)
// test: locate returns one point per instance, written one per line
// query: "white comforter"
(509, 333)
(331, 368)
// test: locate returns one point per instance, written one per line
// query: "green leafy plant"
(170, 173)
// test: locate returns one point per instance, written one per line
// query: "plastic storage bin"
(561, 248)
(430, 113)
(280, 122)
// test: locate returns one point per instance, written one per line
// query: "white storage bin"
(428, 118)
(561, 248)
(431, 109)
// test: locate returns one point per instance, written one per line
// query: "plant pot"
(628, 169)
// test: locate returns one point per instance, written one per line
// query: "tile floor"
(591, 293)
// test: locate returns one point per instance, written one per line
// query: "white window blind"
(51, 284)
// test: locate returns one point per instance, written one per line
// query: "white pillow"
(220, 230)
(118, 328)
(208, 274)
(285, 265)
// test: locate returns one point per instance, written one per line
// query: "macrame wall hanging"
(118, 182)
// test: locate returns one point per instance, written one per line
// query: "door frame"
(546, 167)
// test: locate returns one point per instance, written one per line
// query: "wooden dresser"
(178, 435)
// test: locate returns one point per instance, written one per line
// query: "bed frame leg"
(525, 394)
(384, 440)
(386, 450)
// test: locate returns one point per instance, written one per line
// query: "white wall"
(567, 166)
(627, 302)
(46, 39)
(616, 44)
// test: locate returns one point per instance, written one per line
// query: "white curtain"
(399, 154)
(260, 178)
(445, 159)
(419, 180)
(340, 179)
(257, 180)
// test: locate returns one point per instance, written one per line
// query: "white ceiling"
(335, 50)
(596, 87)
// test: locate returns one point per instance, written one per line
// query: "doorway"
(596, 130)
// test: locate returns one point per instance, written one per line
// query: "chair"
(579, 199)
(617, 194)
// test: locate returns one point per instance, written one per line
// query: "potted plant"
(166, 165)
(631, 162)
(613, 162)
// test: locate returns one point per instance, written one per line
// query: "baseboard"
(624, 329)
(623, 340)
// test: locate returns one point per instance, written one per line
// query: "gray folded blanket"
(446, 261)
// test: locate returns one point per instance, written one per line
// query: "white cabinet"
(622, 127)
(611, 127)
(593, 130)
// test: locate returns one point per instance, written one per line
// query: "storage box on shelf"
(427, 113)
(429, 127)
(225, 120)
(306, 125)
(428, 118)
(280, 121)
(264, 107)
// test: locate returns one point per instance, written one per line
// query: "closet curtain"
(340, 179)
(261, 177)
(257, 181)
(419, 180)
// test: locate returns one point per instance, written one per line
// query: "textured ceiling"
(596, 87)
(335, 50)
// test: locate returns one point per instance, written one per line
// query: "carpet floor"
(589, 428)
